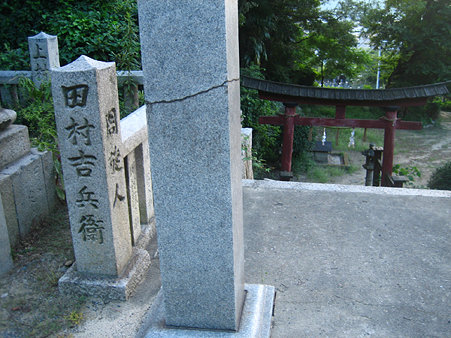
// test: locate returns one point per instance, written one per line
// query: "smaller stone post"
(246, 153)
(132, 196)
(87, 118)
(44, 56)
(6, 262)
(144, 183)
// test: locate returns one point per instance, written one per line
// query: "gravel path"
(426, 149)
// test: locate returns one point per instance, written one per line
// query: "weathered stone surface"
(132, 191)
(6, 262)
(255, 322)
(144, 180)
(44, 56)
(87, 118)
(134, 129)
(108, 288)
(134, 139)
(49, 177)
(7, 117)
(191, 78)
(14, 143)
(29, 190)
(9, 208)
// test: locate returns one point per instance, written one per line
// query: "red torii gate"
(389, 99)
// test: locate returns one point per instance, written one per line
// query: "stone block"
(92, 156)
(255, 321)
(6, 262)
(184, 47)
(9, 208)
(196, 227)
(132, 196)
(49, 177)
(107, 288)
(29, 190)
(191, 80)
(14, 143)
(144, 182)
(7, 117)
(44, 55)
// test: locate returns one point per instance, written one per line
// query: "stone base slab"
(27, 187)
(75, 283)
(6, 262)
(147, 234)
(14, 143)
(255, 318)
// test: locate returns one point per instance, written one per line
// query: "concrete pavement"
(350, 261)
(347, 261)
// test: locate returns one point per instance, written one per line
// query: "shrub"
(95, 28)
(267, 139)
(441, 178)
(37, 113)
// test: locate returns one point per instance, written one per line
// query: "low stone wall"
(27, 184)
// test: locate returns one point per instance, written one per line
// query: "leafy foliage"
(267, 139)
(292, 39)
(37, 113)
(95, 28)
(417, 33)
(409, 172)
(441, 178)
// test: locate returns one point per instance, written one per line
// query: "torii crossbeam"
(389, 99)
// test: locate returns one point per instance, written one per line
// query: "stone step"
(14, 144)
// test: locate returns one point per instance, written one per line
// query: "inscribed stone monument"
(88, 126)
(44, 56)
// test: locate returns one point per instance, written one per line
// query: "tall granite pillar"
(191, 74)
(191, 82)
(89, 135)
(44, 56)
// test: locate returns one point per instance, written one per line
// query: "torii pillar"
(391, 118)
(287, 147)
(289, 120)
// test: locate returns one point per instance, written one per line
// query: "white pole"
(378, 67)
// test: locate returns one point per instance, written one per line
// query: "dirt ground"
(425, 149)
(30, 304)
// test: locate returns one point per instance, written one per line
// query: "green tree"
(331, 48)
(269, 35)
(416, 37)
(95, 28)
(292, 39)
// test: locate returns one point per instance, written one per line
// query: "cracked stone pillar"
(192, 89)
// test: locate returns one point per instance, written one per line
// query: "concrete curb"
(299, 186)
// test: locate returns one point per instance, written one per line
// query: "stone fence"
(131, 148)
(44, 55)
(106, 168)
